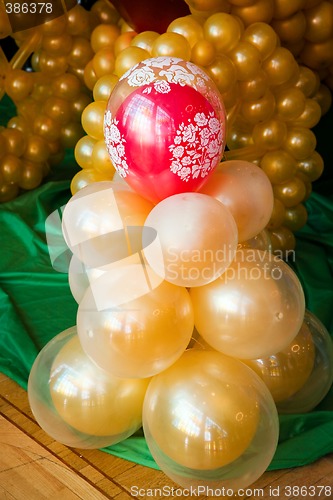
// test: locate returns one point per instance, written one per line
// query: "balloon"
(320, 380)
(287, 371)
(165, 127)
(151, 15)
(196, 239)
(261, 241)
(132, 323)
(253, 310)
(76, 402)
(210, 420)
(246, 191)
(101, 223)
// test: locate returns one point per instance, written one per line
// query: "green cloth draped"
(36, 303)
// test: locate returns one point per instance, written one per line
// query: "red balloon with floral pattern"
(165, 127)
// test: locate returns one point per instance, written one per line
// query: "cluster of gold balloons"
(272, 96)
(182, 331)
(49, 99)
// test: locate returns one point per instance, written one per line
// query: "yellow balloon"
(223, 31)
(253, 310)
(89, 399)
(188, 27)
(171, 45)
(287, 371)
(202, 416)
(132, 323)
(93, 119)
(199, 420)
(76, 402)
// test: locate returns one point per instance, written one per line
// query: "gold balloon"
(253, 310)
(254, 89)
(270, 134)
(287, 371)
(260, 11)
(104, 86)
(132, 323)
(85, 177)
(290, 192)
(93, 119)
(223, 72)
(290, 104)
(171, 45)
(300, 142)
(145, 40)
(91, 400)
(203, 411)
(247, 60)
(290, 30)
(308, 81)
(101, 159)
(285, 8)
(311, 168)
(188, 27)
(127, 58)
(203, 53)
(259, 110)
(104, 35)
(280, 66)
(223, 31)
(319, 22)
(311, 114)
(103, 62)
(263, 37)
(283, 240)
(83, 151)
(279, 166)
(295, 217)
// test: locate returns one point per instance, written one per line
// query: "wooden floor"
(33, 466)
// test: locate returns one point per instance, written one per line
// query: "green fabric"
(36, 303)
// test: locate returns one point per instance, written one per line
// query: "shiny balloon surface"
(287, 371)
(175, 144)
(132, 323)
(246, 191)
(256, 306)
(196, 239)
(320, 380)
(101, 222)
(78, 403)
(209, 420)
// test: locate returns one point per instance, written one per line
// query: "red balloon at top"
(164, 127)
(152, 15)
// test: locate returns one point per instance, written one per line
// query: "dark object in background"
(151, 15)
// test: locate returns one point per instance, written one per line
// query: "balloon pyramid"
(187, 324)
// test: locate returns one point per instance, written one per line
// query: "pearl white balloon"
(196, 239)
(246, 191)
